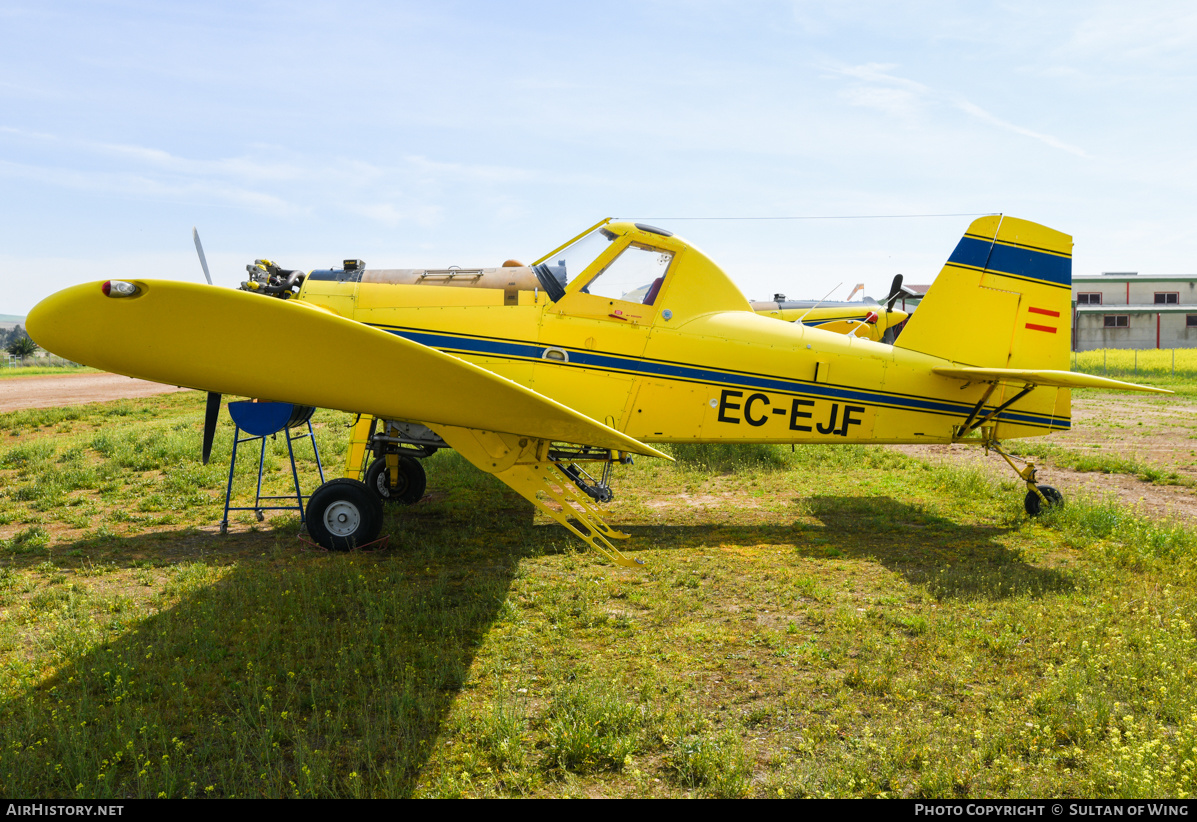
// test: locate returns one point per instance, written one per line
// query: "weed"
(729, 458)
(33, 538)
(717, 764)
(591, 728)
(1099, 463)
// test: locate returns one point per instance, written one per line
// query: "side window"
(633, 276)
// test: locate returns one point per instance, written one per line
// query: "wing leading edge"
(232, 342)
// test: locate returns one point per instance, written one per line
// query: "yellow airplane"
(623, 337)
(867, 319)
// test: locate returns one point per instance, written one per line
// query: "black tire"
(1034, 504)
(412, 481)
(343, 514)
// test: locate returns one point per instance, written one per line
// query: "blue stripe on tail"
(1013, 260)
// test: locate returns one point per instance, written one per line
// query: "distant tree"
(20, 345)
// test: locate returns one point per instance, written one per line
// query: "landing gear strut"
(1039, 498)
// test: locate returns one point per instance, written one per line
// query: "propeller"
(212, 409)
(211, 416)
(895, 291)
(199, 248)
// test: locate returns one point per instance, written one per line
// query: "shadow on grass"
(268, 671)
(952, 560)
(278, 673)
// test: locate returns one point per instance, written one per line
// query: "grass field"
(44, 370)
(1151, 362)
(842, 621)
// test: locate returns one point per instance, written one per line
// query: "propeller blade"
(211, 415)
(203, 261)
(895, 291)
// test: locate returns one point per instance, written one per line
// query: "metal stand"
(261, 420)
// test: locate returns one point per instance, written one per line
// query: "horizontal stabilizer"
(1058, 379)
(232, 342)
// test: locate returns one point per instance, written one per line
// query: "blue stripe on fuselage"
(481, 346)
(825, 320)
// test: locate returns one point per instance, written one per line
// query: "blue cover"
(260, 418)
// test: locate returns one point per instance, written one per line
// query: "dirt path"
(73, 389)
(1149, 428)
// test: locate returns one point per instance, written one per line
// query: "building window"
(1089, 298)
(1116, 321)
(1167, 297)
(1191, 321)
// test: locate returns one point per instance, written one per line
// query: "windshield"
(632, 275)
(572, 260)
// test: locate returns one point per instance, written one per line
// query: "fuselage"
(684, 358)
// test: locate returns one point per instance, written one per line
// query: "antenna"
(819, 303)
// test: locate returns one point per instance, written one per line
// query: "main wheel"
(343, 514)
(411, 485)
(1034, 504)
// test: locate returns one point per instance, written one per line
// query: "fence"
(1150, 362)
(50, 361)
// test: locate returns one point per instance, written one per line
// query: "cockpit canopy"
(635, 274)
(638, 263)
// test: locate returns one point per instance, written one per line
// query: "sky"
(466, 133)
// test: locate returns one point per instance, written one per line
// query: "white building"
(1125, 310)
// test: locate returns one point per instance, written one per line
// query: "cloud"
(1148, 32)
(468, 172)
(895, 102)
(392, 216)
(268, 178)
(153, 158)
(877, 87)
(143, 187)
(1047, 139)
(880, 73)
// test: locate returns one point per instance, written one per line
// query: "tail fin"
(1003, 299)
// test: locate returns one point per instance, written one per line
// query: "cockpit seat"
(651, 295)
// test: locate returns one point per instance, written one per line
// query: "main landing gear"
(409, 485)
(1039, 498)
(346, 513)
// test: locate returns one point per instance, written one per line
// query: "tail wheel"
(1034, 504)
(343, 514)
(410, 486)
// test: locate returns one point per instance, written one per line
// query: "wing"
(232, 342)
(1059, 379)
